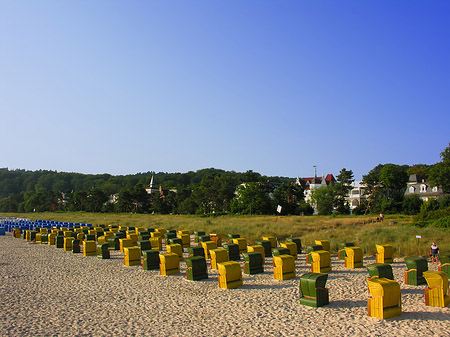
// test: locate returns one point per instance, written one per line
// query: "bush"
(442, 222)
(444, 202)
(305, 209)
(431, 215)
(430, 205)
(412, 204)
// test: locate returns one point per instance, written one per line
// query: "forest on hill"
(215, 191)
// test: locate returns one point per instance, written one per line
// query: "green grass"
(396, 229)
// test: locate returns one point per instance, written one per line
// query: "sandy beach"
(46, 291)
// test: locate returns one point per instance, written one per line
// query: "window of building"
(435, 189)
(412, 189)
(423, 188)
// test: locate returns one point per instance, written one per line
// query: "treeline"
(386, 184)
(205, 191)
(214, 191)
(384, 188)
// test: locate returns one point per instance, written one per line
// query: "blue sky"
(276, 87)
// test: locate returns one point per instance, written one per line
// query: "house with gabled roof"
(312, 183)
(419, 186)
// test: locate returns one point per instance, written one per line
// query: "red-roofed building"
(313, 183)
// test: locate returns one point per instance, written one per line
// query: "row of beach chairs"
(144, 246)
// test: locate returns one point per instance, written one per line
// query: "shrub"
(444, 202)
(443, 222)
(412, 204)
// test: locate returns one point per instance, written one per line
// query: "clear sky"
(276, 87)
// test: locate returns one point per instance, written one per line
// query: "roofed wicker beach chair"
(380, 270)
(207, 246)
(76, 246)
(354, 257)
(416, 266)
(150, 259)
(103, 251)
(271, 239)
(259, 249)
(233, 251)
(196, 268)
(124, 243)
(68, 244)
(197, 234)
(341, 249)
(230, 275)
(185, 239)
(385, 254)
(437, 292)
(253, 263)
(292, 246)
(321, 261)
(132, 256)
(312, 290)
(267, 247)
(89, 248)
(215, 237)
(385, 299)
(173, 241)
(169, 263)
(311, 248)
(196, 251)
(242, 243)
(177, 249)
(298, 242)
(218, 255)
(284, 267)
(324, 243)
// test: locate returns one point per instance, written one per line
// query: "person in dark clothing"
(434, 252)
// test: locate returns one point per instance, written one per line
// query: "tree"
(289, 197)
(214, 193)
(373, 187)
(96, 198)
(252, 198)
(323, 198)
(421, 170)
(187, 206)
(157, 203)
(385, 186)
(342, 189)
(440, 172)
(125, 202)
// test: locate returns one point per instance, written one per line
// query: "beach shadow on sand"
(415, 291)
(265, 286)
(422, 316)
(347, 304)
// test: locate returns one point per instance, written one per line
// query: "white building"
(356, 195)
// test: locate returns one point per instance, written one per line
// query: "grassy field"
(362, 230)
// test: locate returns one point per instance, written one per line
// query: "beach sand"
(46, 291)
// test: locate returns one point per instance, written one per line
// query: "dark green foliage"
(252, 198)
(290, 197)
(443, 222)
(385, 188)
(342, 189)
(439, 174)
(430, 213)
(412, 204)
(324, 199)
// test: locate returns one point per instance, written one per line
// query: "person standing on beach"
(434, 251)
